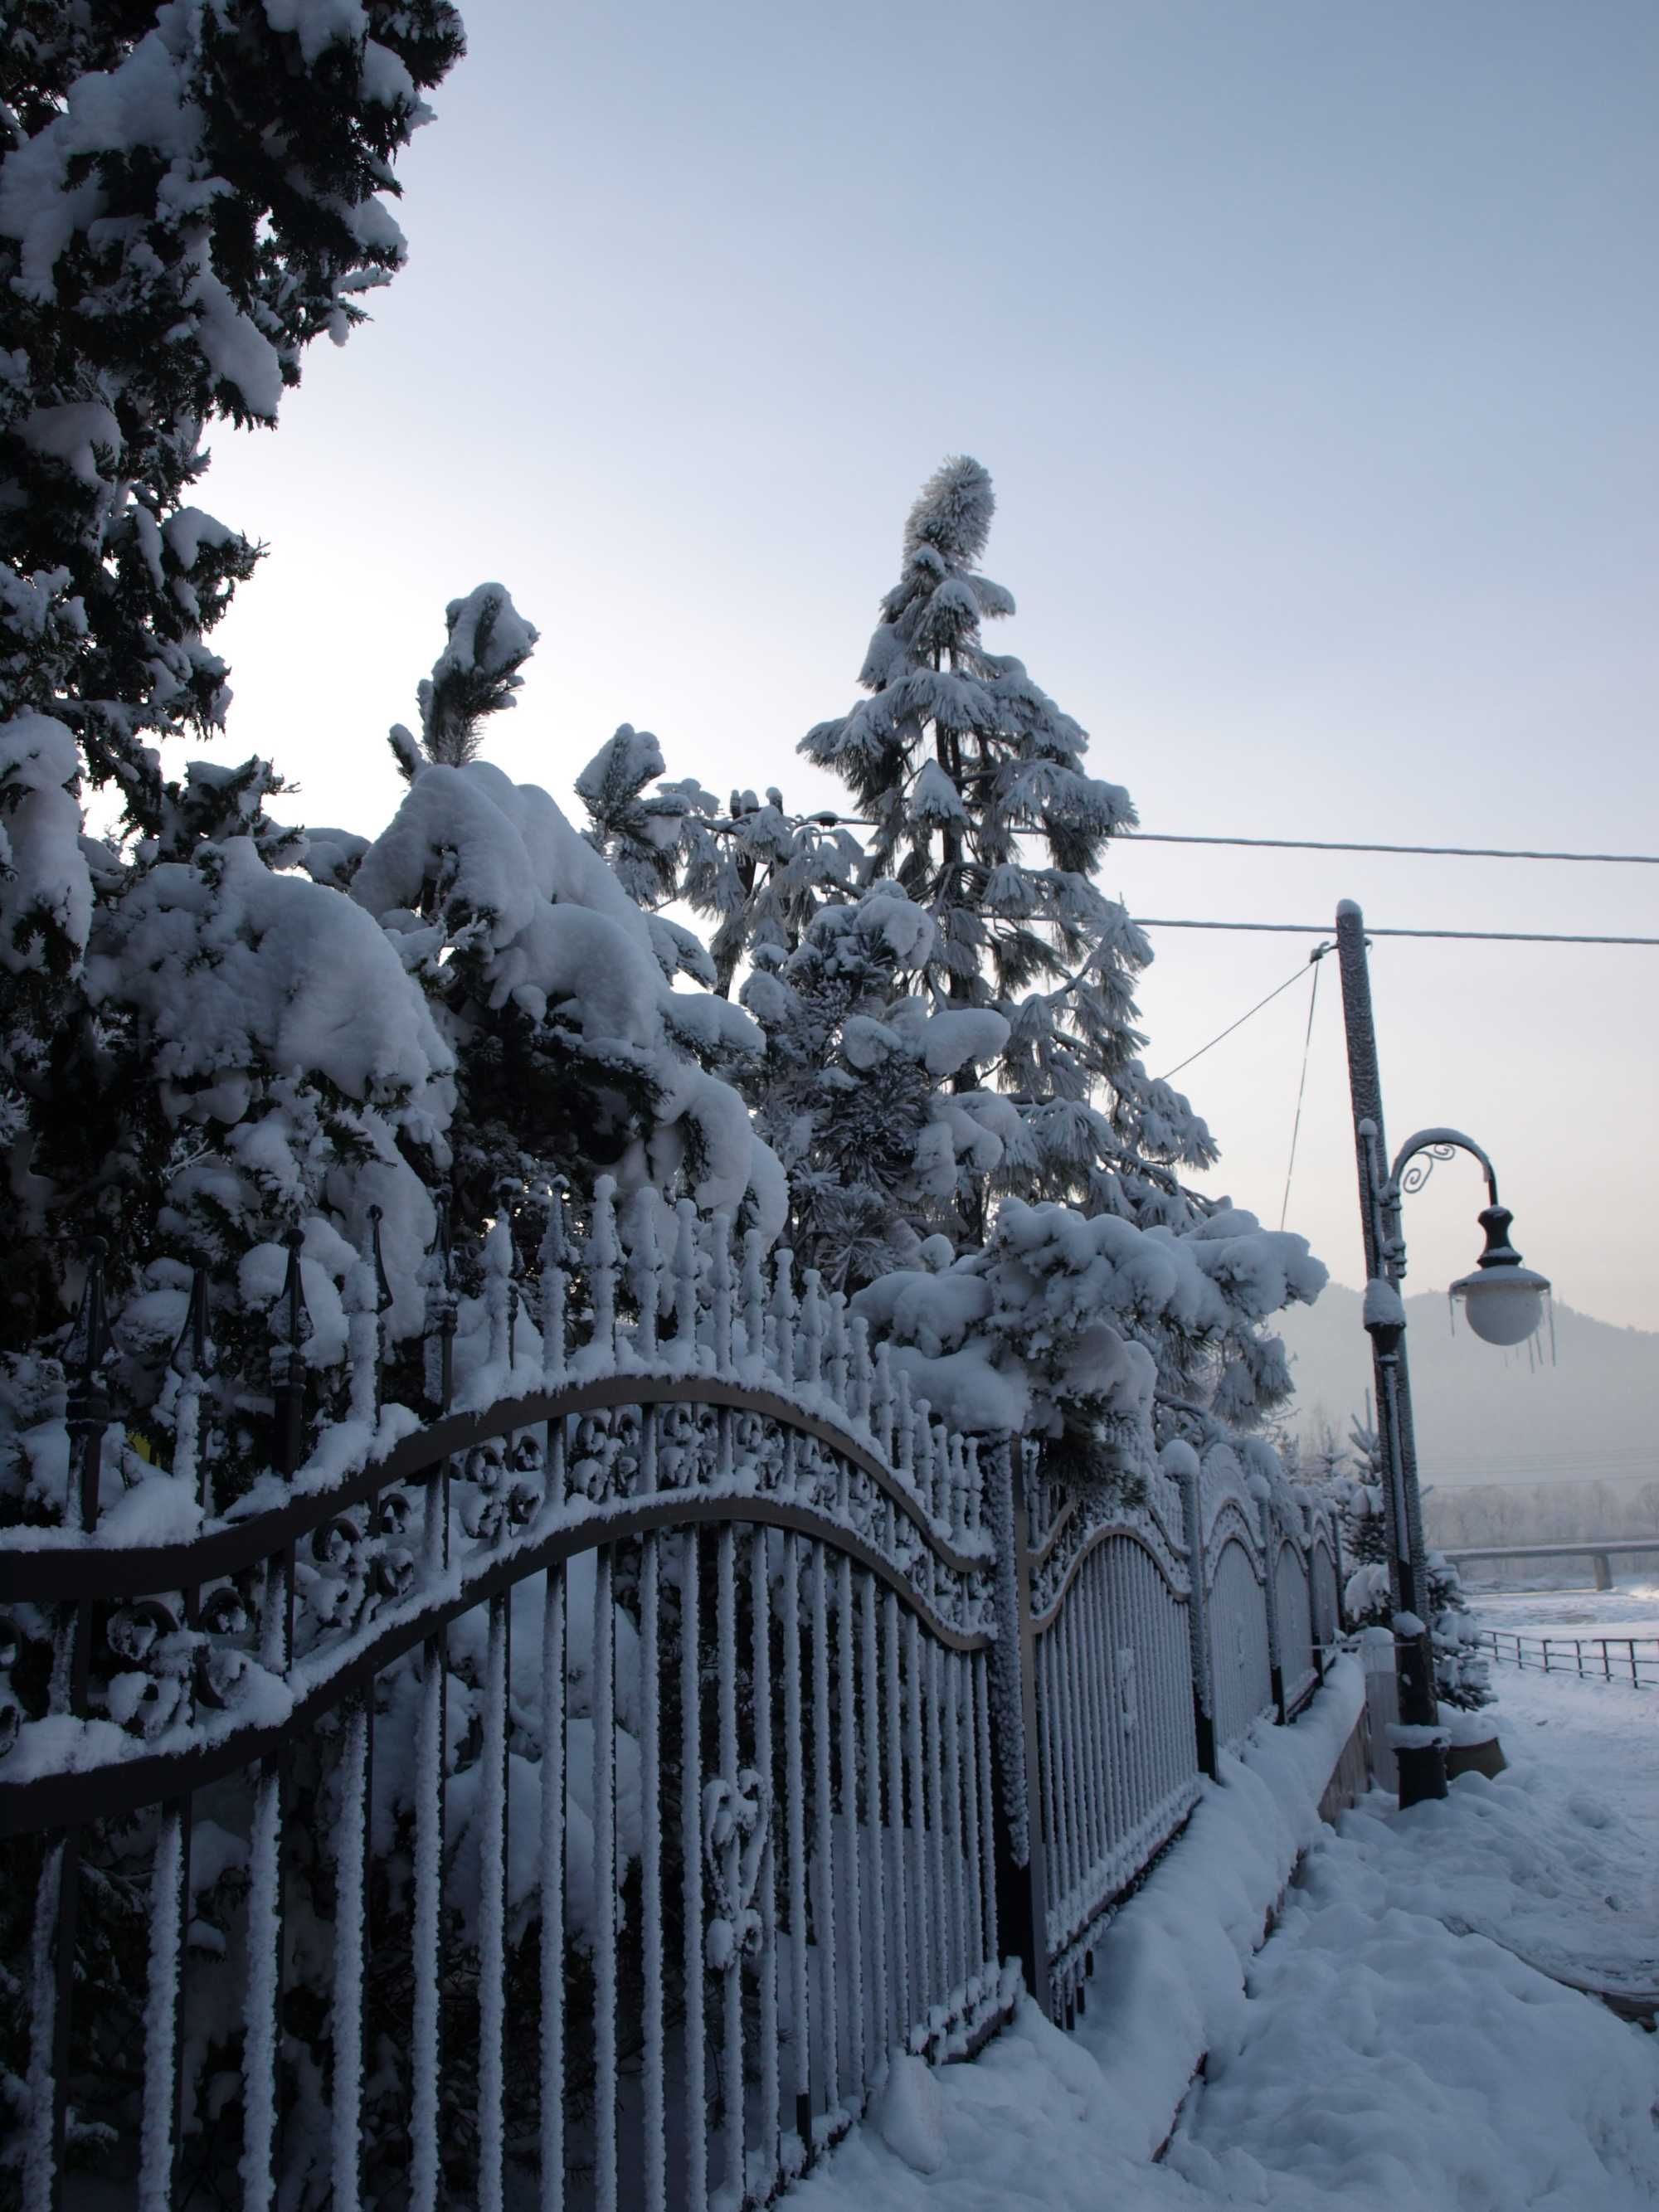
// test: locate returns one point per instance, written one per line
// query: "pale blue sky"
(1314, 350)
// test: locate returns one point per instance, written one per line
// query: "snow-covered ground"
(1386, 2050)
(1630, 1608)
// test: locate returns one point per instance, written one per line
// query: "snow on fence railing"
(587, 1779)
(1629, 1659)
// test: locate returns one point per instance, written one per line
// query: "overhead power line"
(1436, 852)
(828, 818)
(1316, 928)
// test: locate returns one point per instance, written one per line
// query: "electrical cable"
(1302, 1086)
(1293, 977)
(828, 819)
(1314, 928)
(1436, 851)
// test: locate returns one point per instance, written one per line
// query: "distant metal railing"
(1633, 1659)
(586, 1793)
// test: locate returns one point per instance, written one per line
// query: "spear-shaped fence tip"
(192, 1352)
(382, 1284)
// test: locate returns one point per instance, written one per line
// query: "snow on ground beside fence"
(1560, 1858)
(1368, 2056)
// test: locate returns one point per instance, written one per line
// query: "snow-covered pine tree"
(188, 196)
(1461, 1673)
(983, 813)
(575, 1053)
(853, 1092)
(1366, 1601)
(986, 816)
(762, 873)
(473, 678)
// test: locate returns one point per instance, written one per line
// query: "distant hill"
(1481, 1416)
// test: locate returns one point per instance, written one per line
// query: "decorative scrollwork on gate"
(737, 1831)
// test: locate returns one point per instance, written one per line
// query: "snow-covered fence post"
(880, 1410)
(1021, 1884)
(602, 1270)
(783, 1313)
(859, 1376)
(721, 1292)
(1269, 1520)
(1181, 1461)
(753, 1294)
(811, 1329)
(686, 1272)
(645, 1271)
(497, 1288)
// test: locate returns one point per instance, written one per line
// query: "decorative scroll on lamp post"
(1503, 1302)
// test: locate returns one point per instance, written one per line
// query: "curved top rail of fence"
(708, 1387)
(54, 1562)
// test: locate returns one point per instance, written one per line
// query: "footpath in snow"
(1381, 2051)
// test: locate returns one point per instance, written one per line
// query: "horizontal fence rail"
(571, 1781)
(1631, 1659)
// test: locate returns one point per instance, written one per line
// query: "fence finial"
(644, 1268)
(289, 1394)
(555, 1288)
(602, 1257)
(685, 1284)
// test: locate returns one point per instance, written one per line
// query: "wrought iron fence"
(574, 1791)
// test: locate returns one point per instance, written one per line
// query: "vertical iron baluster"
(651, 1915)
(605, 1881)
(986, 1813)
(903, 2009)
(1077, 1746)
(492, 1915)
(872, 1756)
(426, 1930)
(1054, 1830)
(761, 1617)
(730, 1851)
(922, 1921)
(847, 1692)
(47, 2083)
(261, 2046)
(938, 1881)
(795, 1821)
(973, 1871)
(552, 1873)
(696, 2143)
(1092, 1720)
(945, 1722)
(349, 1864)
(824, 1903)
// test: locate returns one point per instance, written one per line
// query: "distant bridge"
(1598, 1550)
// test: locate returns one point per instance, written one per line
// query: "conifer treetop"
(984, 812)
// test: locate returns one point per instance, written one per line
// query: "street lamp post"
(1501, 1301)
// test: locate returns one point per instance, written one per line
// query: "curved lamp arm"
(1438, 1144)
